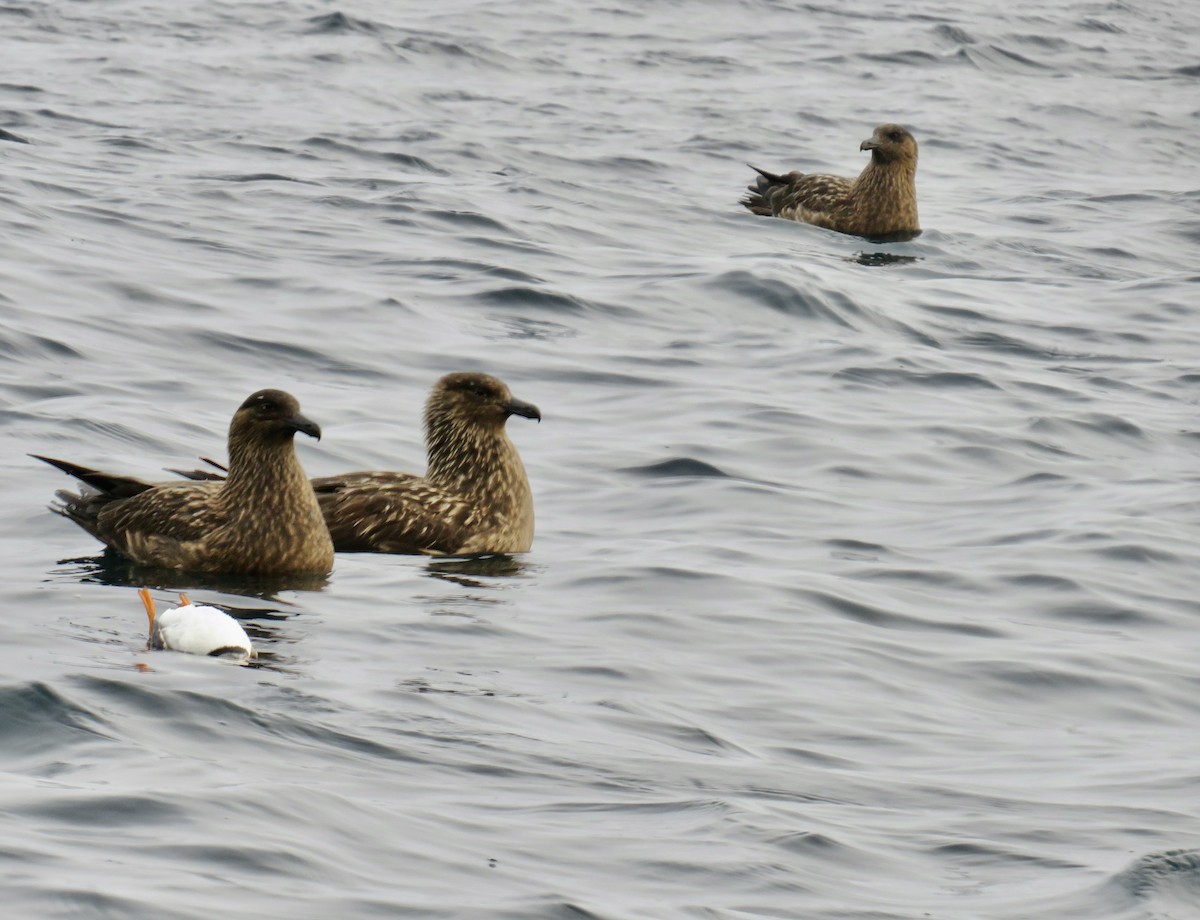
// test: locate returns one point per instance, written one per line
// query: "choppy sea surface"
(865, 581)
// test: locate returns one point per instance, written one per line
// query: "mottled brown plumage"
(880, 204)
(473, 498)
(263, 520)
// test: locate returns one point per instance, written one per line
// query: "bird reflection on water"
(467, 570)
(881, 259)
(111, 568)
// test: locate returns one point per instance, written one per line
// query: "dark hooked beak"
(869, 144)
(299, 423)
(523, 409)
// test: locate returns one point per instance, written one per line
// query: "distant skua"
(881, 204)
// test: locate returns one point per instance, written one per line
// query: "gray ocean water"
(865, 576)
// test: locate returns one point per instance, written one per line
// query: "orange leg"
(144, 594)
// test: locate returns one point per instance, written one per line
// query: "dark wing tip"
(71, 469)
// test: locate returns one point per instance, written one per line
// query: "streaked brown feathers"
(881, 203)
(473, 498)
(262, 520)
